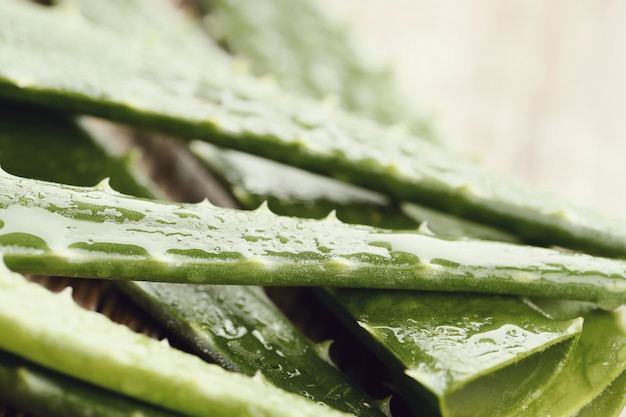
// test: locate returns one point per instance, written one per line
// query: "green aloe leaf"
(597, 362)
(610, 403)
(163, 25)
(96, 232)
(56, 149)
(243, 329)
(43, 393)
(312, 48)
(147, 85)
(52, 331)
(300, 193)
(478, 355)
(235, 326)
(291, 191)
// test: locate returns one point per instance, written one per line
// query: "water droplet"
(277, 367)
(230, 331)
(296, 372)
(397, 332)
(306, 395)
(258, 336)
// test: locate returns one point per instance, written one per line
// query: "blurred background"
(532, 88)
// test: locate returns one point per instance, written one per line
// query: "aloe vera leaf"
(315, 51)
(97, 232)
(611, 403)
(599, 359)
(25, 149)
(291, 191)
(202, 315)
(251, 178)
(40, 392)
(54, 332)
(161, 23)
(243, 329)
(298, 191)
(135, 83)
(478, 355)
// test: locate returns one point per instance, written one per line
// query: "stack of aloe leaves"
(413, 256)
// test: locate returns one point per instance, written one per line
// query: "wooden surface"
(534, 88)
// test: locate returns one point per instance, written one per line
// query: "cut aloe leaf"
(313, 49)
(51, 330)
(243, 329)
(598, 361)
(26, 150)
(478, 355)
(147, 85)
(49, 228)
(252, 178)
(42, 393)
(238, 327)
(611, 403)
(162, 24)
(291, 191)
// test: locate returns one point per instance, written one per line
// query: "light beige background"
(535, 88)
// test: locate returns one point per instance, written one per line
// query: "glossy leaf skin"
(316, 52)
(56, 149)
(611, 403)
(474, 355)
(43, 393)
(291, 191)
(96, 232)
(52, 331)
(300, 194)
(232, 110)
(241, 328)
(207, 317)
(49, 228)
(598, 361)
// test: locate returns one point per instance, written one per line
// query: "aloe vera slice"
(315, 51)
(49, 228)
(137, 83)
(42, 393)
(478, 355)
(54, 332)
(598, 361)
(238, 327)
